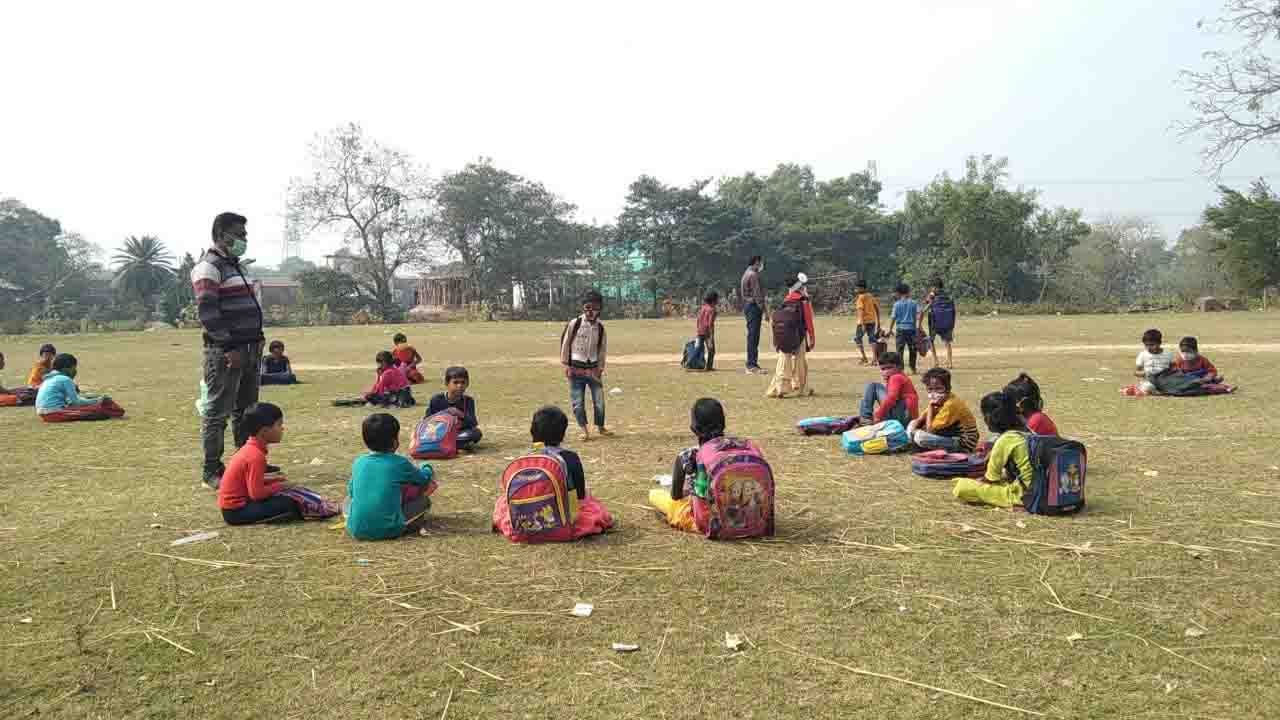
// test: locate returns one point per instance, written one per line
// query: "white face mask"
(1190, 355)
(936, 397)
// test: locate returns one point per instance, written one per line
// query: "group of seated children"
(1161, 372)
(59, 400)
(946, 423)
(275, 368)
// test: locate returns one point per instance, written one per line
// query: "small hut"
(446, 287)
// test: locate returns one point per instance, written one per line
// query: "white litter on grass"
(733, 643)
(1192, 632)
(583, 609)
(625, 647)
(616, 391)
(1152, 473)
(663, 480)
(26, 621)
(1093, 379)
(317, 461)
(198, 537)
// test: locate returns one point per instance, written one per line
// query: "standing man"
(753, 309)
(232, 321)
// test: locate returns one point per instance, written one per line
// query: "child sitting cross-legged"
(391, 388)
(387, 496)
(59, 401)
(1191, 363)
(248, 494)
(42, 365)
(722, 487)
(455, 397)
(276, 369)
(536, 480)
(893, 399)
(15, 396)
(1025, 394)
(1009, 470)
(946, 423)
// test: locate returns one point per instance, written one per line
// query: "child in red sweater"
(247, 494)
(1025, 394)
(392, 387)
(1190, 362)
(894, 399)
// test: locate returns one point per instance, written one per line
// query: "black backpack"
(788, 327)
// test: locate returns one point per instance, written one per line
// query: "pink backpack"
(733, 490)
(436, 437)
(539, 498)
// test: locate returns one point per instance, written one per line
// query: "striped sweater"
(228, 308)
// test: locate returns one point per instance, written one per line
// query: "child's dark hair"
(47, 348)
(711, 298)
(1152, 336)
(1025, 394)
(937, 283)
(399, 338)
(706, 419)
(380, 432)
(754, 259)
(1189, 343)
(549, 426)
(860, 284)
(890, 358)
(903, 289)
(593, 297)
(259, 416)
(1000, 413)
(275, 344)
(457, 372)
(384, 357)
(942, 376)
(65, 361)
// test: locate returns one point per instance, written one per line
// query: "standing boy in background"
(866, 310)
(905, 313)
(583, 351)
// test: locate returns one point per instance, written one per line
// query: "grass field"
(1161, 601)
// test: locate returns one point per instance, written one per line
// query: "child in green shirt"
(387, 495)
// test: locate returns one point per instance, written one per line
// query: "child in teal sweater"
(387, 496)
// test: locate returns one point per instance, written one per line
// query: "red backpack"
(539, 498)
(436, 437)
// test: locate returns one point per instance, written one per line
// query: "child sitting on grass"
(387, 496)
(456, 381)
(247, 494)
(13, 397)
(1190, 362)
(1009, 470)
(547, 429)
(391, 388)
(275, 369)
(707, 422)
(43, 364)
(1152, 362)
(893, 399)
(59, 401)
(1025, 394)
(408, 358)
(946, 424)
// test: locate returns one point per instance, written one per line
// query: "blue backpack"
(695, 357)
(880, 439)
(827, 425)
(942, 313)
(1057, 484)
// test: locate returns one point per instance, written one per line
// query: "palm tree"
(143, 267)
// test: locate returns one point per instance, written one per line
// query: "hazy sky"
(149, 118)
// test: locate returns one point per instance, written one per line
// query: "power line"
(1102, 181)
